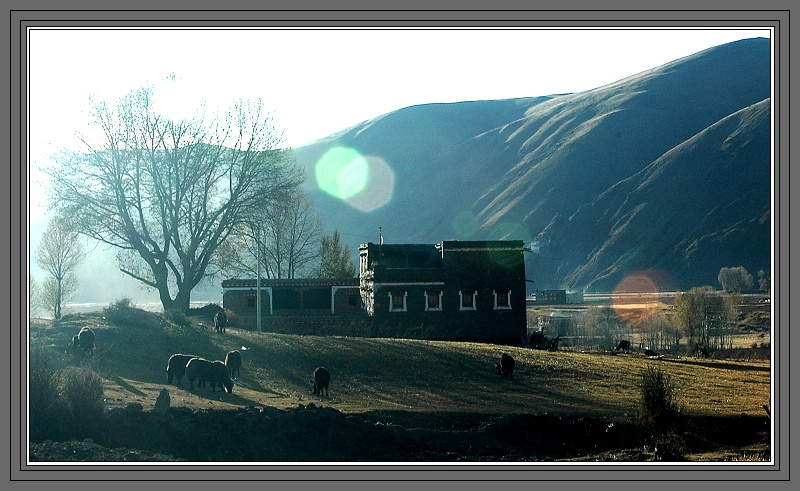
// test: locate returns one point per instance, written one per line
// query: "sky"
(316, 82)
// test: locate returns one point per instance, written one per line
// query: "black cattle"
(220, 377)
(176, 367)
(649, 352)
(233, 360)
(552, 344)
(198, 369)
(220, 320)
(83, 342)
(505, 366)
(322, 378)
(623, 345)
(701, 351)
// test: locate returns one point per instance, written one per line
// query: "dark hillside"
(722, 176)
(507, 169)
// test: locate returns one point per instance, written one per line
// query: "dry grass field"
(413, 383)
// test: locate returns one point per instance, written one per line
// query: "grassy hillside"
(400, 374)
(393, 400)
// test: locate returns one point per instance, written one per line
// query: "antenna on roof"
(380, 241)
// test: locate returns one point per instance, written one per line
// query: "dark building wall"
(308, 304)
(482, 267)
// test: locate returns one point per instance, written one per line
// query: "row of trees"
(184, 201)
(701, 316)
(739, 280)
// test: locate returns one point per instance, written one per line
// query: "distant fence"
(742, 354)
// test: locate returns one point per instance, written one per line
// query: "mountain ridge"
(528, 168)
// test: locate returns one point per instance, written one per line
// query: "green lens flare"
(342, 172)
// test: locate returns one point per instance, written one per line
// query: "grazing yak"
(220, 377)
(220, 319)
(322, 378)
(506, 365)
(233, 360)
(214, 372)
(623, 345)
(83, 341)
(176, 367)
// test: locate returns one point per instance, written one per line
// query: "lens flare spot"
(342, 172)
(638, 296)
(378, 189)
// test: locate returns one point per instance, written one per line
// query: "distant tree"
(763, 281)
(287, 233)
(696, 313)
(723, 333)
(655, 332)
(165, 193)
(34, 294)
(334, 258)
(735, 279)
(60, 252)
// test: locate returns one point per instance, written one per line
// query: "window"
(502, 298)
(251, 302)
(433, 300)
(397, 301)
(467, 299)
(352, 301)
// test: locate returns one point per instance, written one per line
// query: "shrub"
(124, 313)
(177, 317)
(44, 376)
(659, 404)
(670, 447)
(82, 391)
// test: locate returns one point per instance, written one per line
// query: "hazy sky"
(316, 82)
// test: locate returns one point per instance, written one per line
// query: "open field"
(433, 386)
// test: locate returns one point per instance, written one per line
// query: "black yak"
(623, 345)
(198, 369)
(214, 372)
(649, 352)
(506, 365)
(84, 340)
(220, 319)
(220, 377)
(322, 378)
(233, 360)
(176, 367)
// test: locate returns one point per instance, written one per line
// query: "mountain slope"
(519, 169)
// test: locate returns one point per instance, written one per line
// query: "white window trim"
(405, 303)
(461, 300)
(433, 309)
(503, 307)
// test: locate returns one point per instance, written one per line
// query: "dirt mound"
(310, 433)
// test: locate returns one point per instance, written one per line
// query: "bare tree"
(166, 194)
(697, 312)
(34, 294)
(287, 233)
(60, 252)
